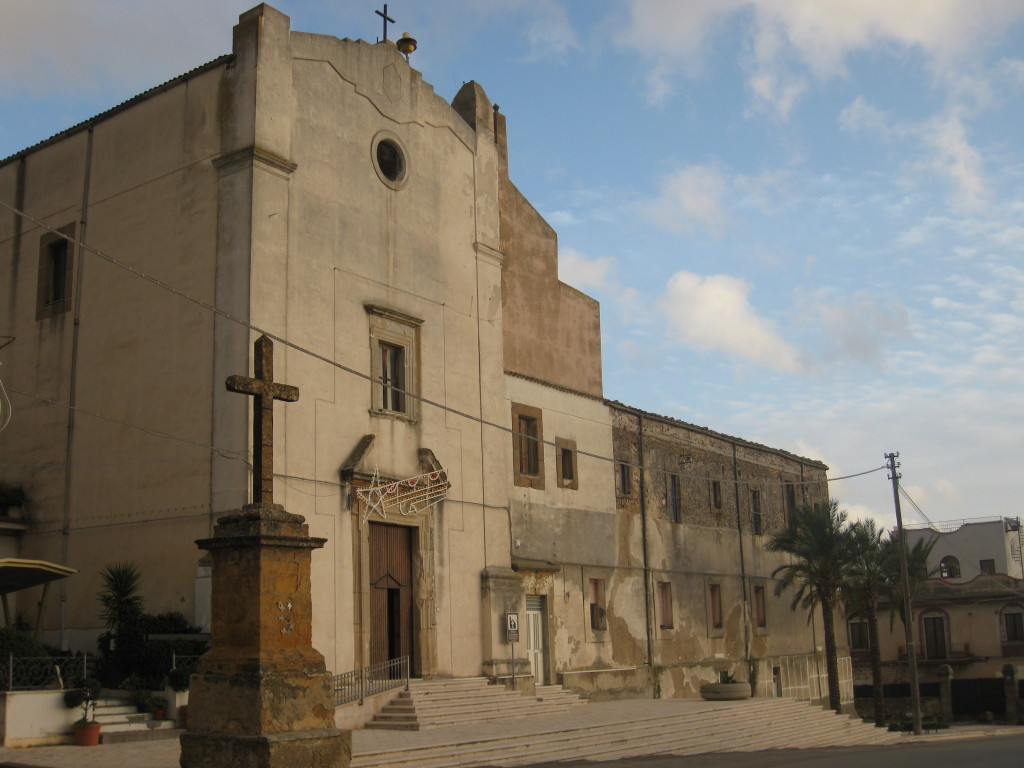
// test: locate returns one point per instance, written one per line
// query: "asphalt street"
(986, 752)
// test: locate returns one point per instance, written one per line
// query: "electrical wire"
(5, 408)
(223, 452)
(347, 369)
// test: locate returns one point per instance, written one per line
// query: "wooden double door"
(391, 593)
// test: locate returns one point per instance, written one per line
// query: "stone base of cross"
(262, 696)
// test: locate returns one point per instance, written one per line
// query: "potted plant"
(178, 680)
(142, 699)
(87, 730)
(158, 705)
(726, 689)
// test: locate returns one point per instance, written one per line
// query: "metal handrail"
(368, 681)
(42, 673)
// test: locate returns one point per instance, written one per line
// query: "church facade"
(317, 190)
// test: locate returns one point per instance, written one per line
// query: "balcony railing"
(368, 681)
(956, 651)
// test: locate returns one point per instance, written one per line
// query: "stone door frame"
(423, 661)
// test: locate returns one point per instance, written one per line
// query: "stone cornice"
(255, 156)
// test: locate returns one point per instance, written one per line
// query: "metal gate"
(391, 592)
(972, 697)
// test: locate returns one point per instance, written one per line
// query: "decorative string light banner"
(406, 497)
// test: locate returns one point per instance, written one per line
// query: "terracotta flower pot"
(725, 691)
(87, 734)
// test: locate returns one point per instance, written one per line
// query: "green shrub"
(179, 679)
(84, 695)
(21, 644)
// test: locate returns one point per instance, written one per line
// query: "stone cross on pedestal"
(263, 387)
(262, 696)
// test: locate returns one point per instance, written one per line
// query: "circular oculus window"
(389, 160)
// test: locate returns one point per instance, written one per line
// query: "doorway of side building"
(391, 594)
(535, 611)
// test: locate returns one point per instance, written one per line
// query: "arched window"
(949, 567)
(1013, 624)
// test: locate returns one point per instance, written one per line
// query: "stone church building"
(317, 190)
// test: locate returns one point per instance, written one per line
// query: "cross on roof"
(384, 15)
(263, 387)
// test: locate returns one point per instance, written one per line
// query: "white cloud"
(549, 32)
(943, 146)
(790, 36)
(955, 158)
(692, 196)
(562, 218)
(857, 328)
(1013, 70)
(581, 271)
(80, 49)
(859, 116)
(714, 313)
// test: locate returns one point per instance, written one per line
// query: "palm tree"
(917, 571)
(120, 601)
(823, 550)
(870, 581)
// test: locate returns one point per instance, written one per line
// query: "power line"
(367, 377)
(223, 452)
(236, 455)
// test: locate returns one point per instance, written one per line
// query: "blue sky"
(804, 220)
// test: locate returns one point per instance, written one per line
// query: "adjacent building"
(968, 621)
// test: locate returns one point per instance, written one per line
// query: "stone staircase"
(605, 731)
(462, 701)
(121, 722)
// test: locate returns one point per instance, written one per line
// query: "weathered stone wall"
(552, 331)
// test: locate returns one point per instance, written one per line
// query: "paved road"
(984, 752)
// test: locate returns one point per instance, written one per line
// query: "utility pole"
(908, 617)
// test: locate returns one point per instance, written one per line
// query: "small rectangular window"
(988, 566)
(859, 638)
(58, 264)
(675, 499)
(393, 348)
(1014, 621)
(716, 494)
(623, 479)
(392, 377)
(566, 463)
(568, 471)
(756, 520)
(715, 606)
(529, 456)
(665, 612)
(595, 601)
(789, 495)
(53, 293)
(528, 446)
(760, 612)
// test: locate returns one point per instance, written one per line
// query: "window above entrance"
(394, 348)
